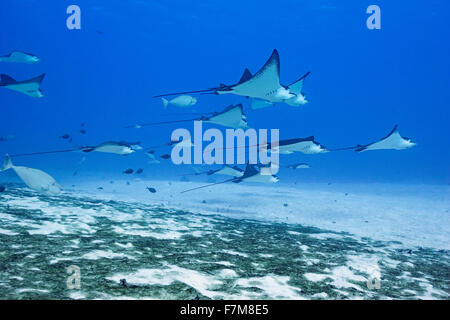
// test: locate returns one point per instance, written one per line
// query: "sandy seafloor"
(311, 241)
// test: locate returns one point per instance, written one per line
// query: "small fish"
(139, 171)
(100, 188)
(151, 155)
(2, 189)
(65, 136)
(182, 144)
(20, 57)
(134, 145)
(128, 171)
(152, 190)
(82, 131)
(165, 156)
(6, 138)
(34, 179)
(299, 166)
(180, 101)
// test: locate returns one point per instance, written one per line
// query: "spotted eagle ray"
(29, 87)
(306, 145)
(225, 170)
(251, 174)
(393, 141)
(120, 148)
(232, 116)
(264, 84)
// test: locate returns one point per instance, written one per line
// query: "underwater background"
(317, 233)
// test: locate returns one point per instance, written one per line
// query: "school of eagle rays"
(263, 88)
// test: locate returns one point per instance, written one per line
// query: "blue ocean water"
(362, 81)
(376, 207)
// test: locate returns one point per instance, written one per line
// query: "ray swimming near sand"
(226, 170)
(251, 174)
